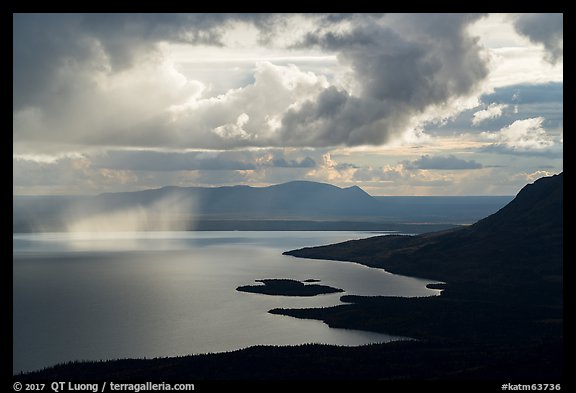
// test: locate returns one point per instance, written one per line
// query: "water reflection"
(173, 293)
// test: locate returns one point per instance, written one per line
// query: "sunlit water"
(120, 295)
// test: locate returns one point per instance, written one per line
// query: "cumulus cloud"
(332, 171)
(163, 109)
(525, 136)
(102, 80)
(533, 176)
(97, 108)
(247, 116)
(505, 105)
(44, 45)
(449, 162)
(401, 66)
(493, 111)
(546, 29)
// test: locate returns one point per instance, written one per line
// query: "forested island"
(287, 287)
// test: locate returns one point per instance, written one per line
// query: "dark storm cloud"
(122, 34)
(442, 163)
(403, 65)
(45, 44)
(41, 45)
(546, 29)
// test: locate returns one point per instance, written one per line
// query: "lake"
(155, 294)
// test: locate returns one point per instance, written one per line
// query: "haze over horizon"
(397, 104)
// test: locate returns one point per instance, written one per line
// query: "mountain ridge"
(291, 198)
(527, 233)
(503, 282)
(217, 208)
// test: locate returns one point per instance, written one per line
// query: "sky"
(397, 104)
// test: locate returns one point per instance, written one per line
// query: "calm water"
(119, 295)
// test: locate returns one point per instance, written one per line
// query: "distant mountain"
(297, 198)
(297, 205)
(182, 208)
(518, 247)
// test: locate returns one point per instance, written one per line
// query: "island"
(436, 285)
(288, 287)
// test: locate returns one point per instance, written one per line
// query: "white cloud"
(530, 177)
(521, 65)
(331, 171)
(260, 98)
(513, 57)
(493, 111)
(526, 134)
(247, 116)
(234, 130)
